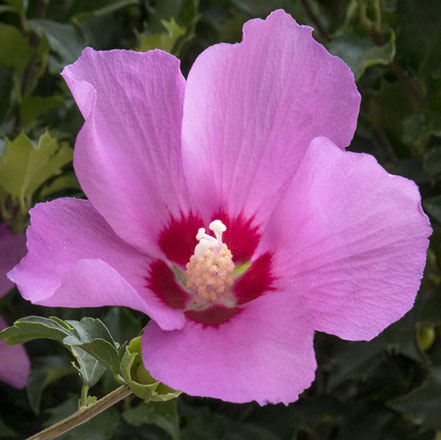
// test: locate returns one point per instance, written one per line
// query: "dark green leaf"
(90, 369)
(83, 8)
(93, 354)
(389, 106)
(423, 404)
(353, 360)
(6, 431)
(209, 426)
(419, 34)
(32, 107)
(419, 127)
(163, 414)
(34, 327)
(64, 39)
(6, 85)
(99, 349)
(92, 336)
(432, 161)
(88, 329)
(60, 184)
(364, 424)
(433, 207)
(49, 369)
(122, 324)
(360, 52)
(101, 427)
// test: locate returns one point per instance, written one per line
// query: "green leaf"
(34, 327)
(176, 16)
(88, 340)
(360, 52)
(32, 107)
(64, 39)
(389, 106)
(165, 40)
(89, 368)
(92, 336)
(163, 414)
(20, 6)
(99, 349)
(423, 404)
(25, 167)
(15, 50)
(89, 329)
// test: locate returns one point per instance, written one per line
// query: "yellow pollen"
(210, 275)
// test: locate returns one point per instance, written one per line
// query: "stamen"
(209, 271)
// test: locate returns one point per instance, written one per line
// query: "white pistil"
(207, 241)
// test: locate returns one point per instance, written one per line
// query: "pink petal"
(12, 249)
(251, 110)
(127, 155)
(14, 363)
(76, 260)
(263, 353)
(351, 239)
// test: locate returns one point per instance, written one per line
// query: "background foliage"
(389, 388)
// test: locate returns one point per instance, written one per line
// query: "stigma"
(209, 272)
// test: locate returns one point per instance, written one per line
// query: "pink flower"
(255, 139)
(14, 362)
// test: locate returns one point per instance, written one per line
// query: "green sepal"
(139, 379)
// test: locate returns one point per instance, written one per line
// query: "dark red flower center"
(250, 279)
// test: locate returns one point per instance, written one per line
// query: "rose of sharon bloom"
(227, 209)
(14, 362)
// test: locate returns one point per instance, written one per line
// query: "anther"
(209, 271)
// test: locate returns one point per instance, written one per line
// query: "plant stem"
(84, 391)
(377, 12)
(83, 415)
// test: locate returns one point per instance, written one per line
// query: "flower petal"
(351, 239)
(251, 110)
(14, 363)
(263, 353)
(127, 155)
(12, 249)
(76, 260)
